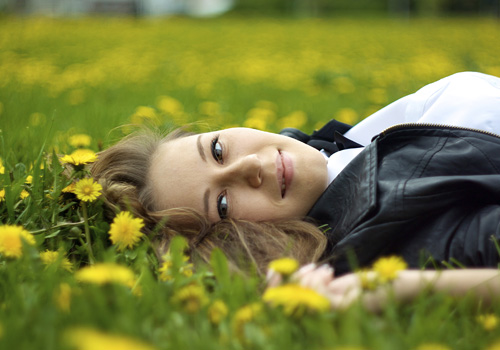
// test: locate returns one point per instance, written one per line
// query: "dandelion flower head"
(106, 273)
(489, 321)
(80, 157)
(80, 140)
(192, 297)
(388, 268)
(125, 231)
(11, 238)
(295, 299)
(87, 190)
(91, 339)
(217, 311)
(50, 257)
(284, 266)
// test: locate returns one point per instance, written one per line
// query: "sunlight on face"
(239, 173)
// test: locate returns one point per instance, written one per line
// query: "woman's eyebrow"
(200, 149)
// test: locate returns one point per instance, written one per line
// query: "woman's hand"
(484, 284)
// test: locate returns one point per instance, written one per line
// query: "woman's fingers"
(316, 278)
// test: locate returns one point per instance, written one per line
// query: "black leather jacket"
(429, 194)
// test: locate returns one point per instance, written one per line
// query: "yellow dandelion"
(24, 194)
(81, 156)
(217, 311)
(388, 268)
(368, 280)
(347, 115)
(2, 195)
(106, 273)
(296, 299)
(296, 119)
(494, 346)
(92, 339)
(62, 297)
(29, 180)
(125, 231)
(432, 346)
(87, 190)
(11, 238)
(80, 140)
(192, 297)
(284, 266)
(489, 321)
(50, 257)
(144, 113)
(244, 315)
(165, 272)
(69, 189)
(2, 168)
(169, 105)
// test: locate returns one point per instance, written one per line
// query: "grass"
(61, 77)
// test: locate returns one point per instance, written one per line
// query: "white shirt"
(465, 99)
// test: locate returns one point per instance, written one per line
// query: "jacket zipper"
(437, 126)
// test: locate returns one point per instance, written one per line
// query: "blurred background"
(202, 8)
(92, 66)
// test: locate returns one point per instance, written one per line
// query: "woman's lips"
(284, 172)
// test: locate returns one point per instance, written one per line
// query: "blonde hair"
(123, 169)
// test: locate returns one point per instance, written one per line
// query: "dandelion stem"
(87, 233)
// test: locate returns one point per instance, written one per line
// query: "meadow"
(72, 87)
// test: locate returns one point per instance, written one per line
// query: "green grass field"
(101, 76)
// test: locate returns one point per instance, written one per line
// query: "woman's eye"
(217, 150)
(222, 206)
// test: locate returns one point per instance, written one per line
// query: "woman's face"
(238, 173)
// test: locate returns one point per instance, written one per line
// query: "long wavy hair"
(123, 171)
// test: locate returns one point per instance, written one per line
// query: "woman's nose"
(247, 169)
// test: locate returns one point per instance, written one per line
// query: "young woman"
(429, 193)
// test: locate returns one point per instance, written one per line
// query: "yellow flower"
(62, 297)
(80, 140)
(106, 273)
(24, 194)
(80, 157)
(11, 240)
(29, 179)
(489, 321)
(284, 266)
(296, 299)
(143, 113)
(91, 339)
(69, 189)
(494, 346)
(296, 119)
(2, 195)
(432, 346)
(87, 190)
(244, 315)
(388, 267)
(192, 297)
(165, 270)
(368, 280)
(169, 105)
(50, 257)
(2, 168)
(217, 311)
(125, 231)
